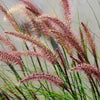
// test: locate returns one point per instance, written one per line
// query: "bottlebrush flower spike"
(42, 48)
(31, 7)
(9, 58)
(90, 39)
(30, 53)
(42, 76)
(9, 18)
(67, 33)
(11, 47)
(67, 11)
(50, 31)
(88, 69)
(23, 18)
(7, 42)
(27, 52)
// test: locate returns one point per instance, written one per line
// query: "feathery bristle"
(7, 42)
(67, 11)
(31, 7)
(9, 18)
(89, 37)
(27, 52)
(42, 48)
(88, 69)
(42, 76)
(68, 34)
(11, 47)
(9, 58)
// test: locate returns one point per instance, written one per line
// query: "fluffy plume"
(90, 39)
(25, 18)
(9, 58)
(67, 11)
(68, 34)
(11, 47)
(48, 31)
(28, 53)
(42, 76)
(88, 69)
(9, 18)
(31, 7)
(42, 48)
(7, 42)
(19, 14)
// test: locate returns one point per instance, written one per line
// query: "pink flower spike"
(42, 76)
(67, 11)
(31, 7)
(7, 42)
(9, 58)
(88, 69)
(67, 33)
(45, 52)
(9, 18)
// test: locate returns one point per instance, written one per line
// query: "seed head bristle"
(7, 42)
(66, 4)
(90, 39)
(67, 33)
(34, 41)
(9, 58)
(88, 69)
(42, 76)
(9, 18)
(31, 7)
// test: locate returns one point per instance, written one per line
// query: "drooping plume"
(42, 76)
(7, 42)
(9, 18)
(29, 53)
(11, 47)
(88, 69)
(9, 58)
(67, 33)
(90, 41)
(67, 11)
(31, 7)
(34, 41)
(89, 37)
